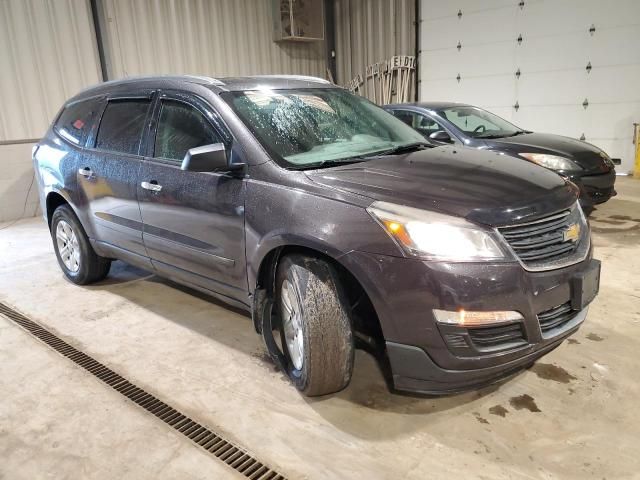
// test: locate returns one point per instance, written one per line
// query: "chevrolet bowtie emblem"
(572, 234)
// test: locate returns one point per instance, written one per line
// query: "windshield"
(479, 123)
(304, 128)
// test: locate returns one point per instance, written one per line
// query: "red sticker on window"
(78, 124)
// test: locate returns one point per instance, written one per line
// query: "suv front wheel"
(316, 334)
(77, 259)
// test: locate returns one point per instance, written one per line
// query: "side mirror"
(208, 158)
(441, 136)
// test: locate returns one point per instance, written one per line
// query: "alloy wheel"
(68, 247)
(292, 323)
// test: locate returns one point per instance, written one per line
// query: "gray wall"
(206, 37)
(48, 52)
(371, 31)
(552, 57)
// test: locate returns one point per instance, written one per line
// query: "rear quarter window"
(76, 120)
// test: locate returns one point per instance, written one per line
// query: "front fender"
(361, 265)
(276, 240)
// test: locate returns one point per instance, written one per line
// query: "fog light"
(466, 318)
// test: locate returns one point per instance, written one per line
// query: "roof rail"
(137, 78)
(307, 78)
(204, 78)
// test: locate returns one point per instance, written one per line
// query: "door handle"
(86, 172)
(154, 187)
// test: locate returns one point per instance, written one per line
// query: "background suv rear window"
(122, 125)
(75, 121)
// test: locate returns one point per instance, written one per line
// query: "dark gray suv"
(326, 218)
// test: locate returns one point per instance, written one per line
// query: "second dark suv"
(328, 219)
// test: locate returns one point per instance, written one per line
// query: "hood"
(483, 187)
(584, 154)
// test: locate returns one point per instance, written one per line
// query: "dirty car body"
(458, 267)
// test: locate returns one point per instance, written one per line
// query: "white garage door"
(559, 40)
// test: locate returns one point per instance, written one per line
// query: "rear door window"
(181, 128)
(76, 120)
(122, 125)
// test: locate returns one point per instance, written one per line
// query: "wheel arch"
(53, 200)
(367, 322)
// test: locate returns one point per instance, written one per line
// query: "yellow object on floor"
(636, 140)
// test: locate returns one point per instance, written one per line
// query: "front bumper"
(414, 371)
(595, 189)
(428, 357)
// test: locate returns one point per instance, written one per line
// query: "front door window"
(181, 128)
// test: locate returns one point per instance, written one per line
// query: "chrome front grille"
(550, 242)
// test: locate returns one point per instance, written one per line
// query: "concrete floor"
(573, 415)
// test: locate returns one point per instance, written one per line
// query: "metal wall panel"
(207, 37)
(371, 31)
(47, 54)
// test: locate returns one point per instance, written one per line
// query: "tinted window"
(423, 124)
(75, 121)
(406, 117)
(122, 125)
(181, 128)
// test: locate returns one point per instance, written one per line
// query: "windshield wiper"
(515, 134)
(330, 163)
(503, 135)
(367, 156)
(494, 135)
(410, 147)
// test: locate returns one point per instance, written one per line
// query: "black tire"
(327, 338)
(91, 267)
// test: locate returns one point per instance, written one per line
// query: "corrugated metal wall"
(47, 53)
(48, 49)
(371, 31)
(217, 38)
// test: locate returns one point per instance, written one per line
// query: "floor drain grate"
(233, 455)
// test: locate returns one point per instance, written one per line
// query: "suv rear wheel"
(316, 333)
(76, 257)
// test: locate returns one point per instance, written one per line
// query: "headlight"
(552, 162)
(434, 236)
(607, 159)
